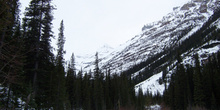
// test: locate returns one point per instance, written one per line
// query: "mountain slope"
(161, 35)
(186, 30)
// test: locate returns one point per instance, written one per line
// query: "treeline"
(195, 87)
(32, 76)
(99, 91)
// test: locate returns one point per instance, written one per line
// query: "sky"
(90, 24)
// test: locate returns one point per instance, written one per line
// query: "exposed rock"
(206, 1)
(187, 6)
(198, 0)
(147, 27)
(175, 8)
(158, 36)
(203, 8)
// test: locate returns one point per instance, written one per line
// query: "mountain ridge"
(148, 53)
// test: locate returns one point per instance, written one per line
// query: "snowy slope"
(162, 34)
(86, 62)
(155, 38)
(152, 85)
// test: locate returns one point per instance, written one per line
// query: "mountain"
(86, 62)
(185, 31)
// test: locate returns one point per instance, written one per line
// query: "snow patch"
(151, 85)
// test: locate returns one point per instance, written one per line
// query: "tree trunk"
(37, 54)
(2, 40)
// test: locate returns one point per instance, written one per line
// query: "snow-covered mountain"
(159, 39)
(86, 62)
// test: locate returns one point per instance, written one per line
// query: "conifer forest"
(35, 75)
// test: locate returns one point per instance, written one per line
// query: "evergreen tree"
(11, 54)
(70, 82)
(190, 86)
(79, 90)
(86, 92)
(37, 33)
(197, 79)
(180, 86)
(171, 91)
(98, 86)
(140, 100)
(60, 100)
(96, 69)
(107, 90)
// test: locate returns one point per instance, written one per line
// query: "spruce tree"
(78, 90)
(37, 33)
(11, 54)
(59, 76)
(86, 96)
(198, 87)
(140, 100)
(70, 81)
(180, 86)
(98, 86)
(190, 86)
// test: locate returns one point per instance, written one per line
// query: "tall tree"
(37, 35)
(60, 101)
(11, 56)
(98, 86)
(70, 81)
(10, 35)
(96, 69)
(180, 85)
(198, 87)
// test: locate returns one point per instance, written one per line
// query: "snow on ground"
(151, 84)
(153, 107)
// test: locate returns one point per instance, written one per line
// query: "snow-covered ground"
(153, 107)
(152, 85)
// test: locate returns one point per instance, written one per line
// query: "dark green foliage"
(140, 100)
(98, 94)
(101, 91)
(60, 101)
(70, 81)
(198, 86)
(11, 54)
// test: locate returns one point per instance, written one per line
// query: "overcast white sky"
(89, 24)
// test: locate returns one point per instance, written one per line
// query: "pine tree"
(78, 90)
(98, 86)
(197, 79)
(171, 91)
(107, 90)
(140, 100)
(86, 92)
(60, 90)
(190, 86)
(10, 37)
(11, 53)
(70, 81)
(180, 86)
(37, 33)
(96, 69)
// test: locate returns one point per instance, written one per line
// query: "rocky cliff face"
(161, 35)
(157, 37)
